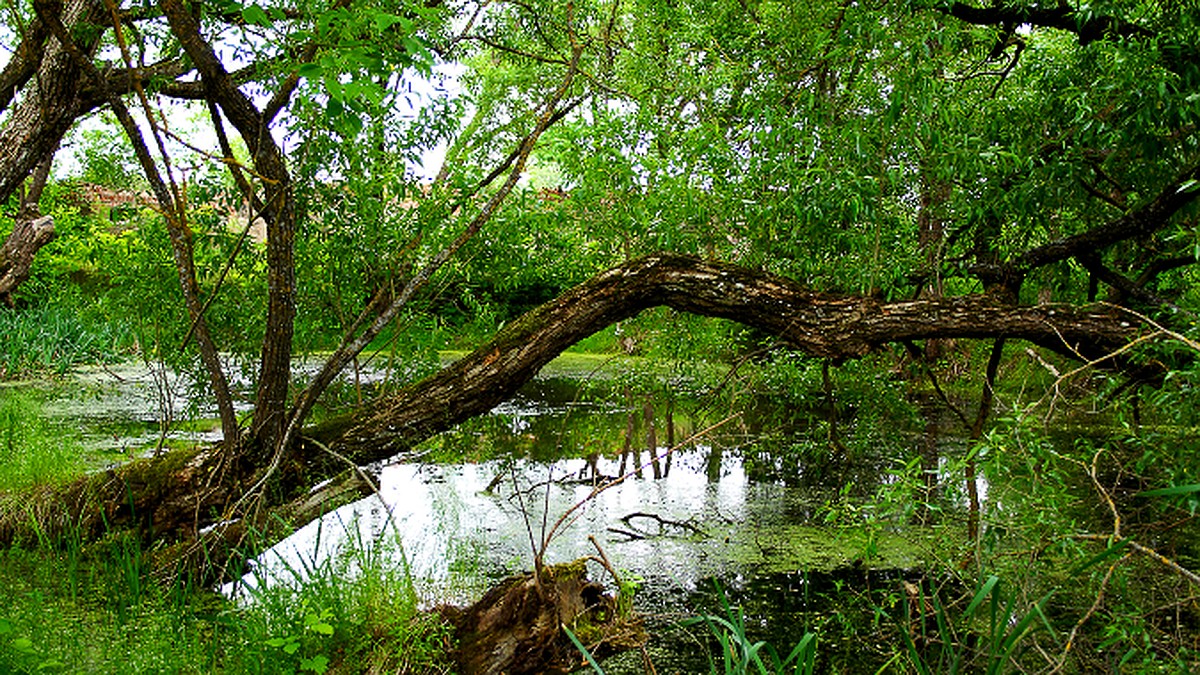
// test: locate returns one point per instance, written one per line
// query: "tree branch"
(836, 327)
(1088, 28)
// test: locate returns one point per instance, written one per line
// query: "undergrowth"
(100, 608)
(33, 450)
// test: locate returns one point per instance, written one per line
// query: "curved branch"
(1089, 28)
(825, 325)
(24, 62)
(1147, 219)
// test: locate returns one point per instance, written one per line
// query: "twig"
(1087, 616)
(603, 560)
(1182, 571)
(361, 473)
(562, 520)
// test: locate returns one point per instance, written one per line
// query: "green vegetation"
(738, 653)
(32, 451)
(103, 608)
(1025, 174)
(107, 606)
(55, 337)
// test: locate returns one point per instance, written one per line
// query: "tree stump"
(516, 628)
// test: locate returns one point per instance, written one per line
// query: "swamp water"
(735, 511)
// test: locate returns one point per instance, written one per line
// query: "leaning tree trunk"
(17, 252)
(53, 100)
(837, 327)
(178, 496)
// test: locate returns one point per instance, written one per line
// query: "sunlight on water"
(456, 534)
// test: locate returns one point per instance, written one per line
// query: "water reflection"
(493, 514)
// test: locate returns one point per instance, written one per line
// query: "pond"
(715, 500)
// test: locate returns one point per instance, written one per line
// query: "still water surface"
(733, 509)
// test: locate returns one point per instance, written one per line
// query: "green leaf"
(583, 650)
(1172, 491)
(982, 593)
(256, 15)
(384, 21)
(317, 664)
(349, 124)
(291, 647)
(1110, 552)
(23, 645)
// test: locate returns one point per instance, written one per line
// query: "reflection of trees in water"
(779, 442)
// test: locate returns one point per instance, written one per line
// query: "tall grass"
(359, 608)
(56, 337)
(100, 608)
(739, 654)
(987, 637)
(33, 451)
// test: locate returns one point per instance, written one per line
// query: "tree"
(797, 145)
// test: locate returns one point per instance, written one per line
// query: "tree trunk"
(279, 212)
(837, 327)
(16, 255)
(516, 627)
(177, 496)
(52, 100)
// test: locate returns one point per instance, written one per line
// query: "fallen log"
(826, 325)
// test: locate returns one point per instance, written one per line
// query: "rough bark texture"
(270, 406)
(17, 252)
(516, 627)
(50, 102)
(837, 327)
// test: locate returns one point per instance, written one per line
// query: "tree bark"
(16, 255)
(177, 496)
(825, 325)
(516, 627)
(270, 406)
(52, 100)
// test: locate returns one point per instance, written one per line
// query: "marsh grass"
(34, 451)
(738, 653)
(986, 637)
(101, 608)
(354, 612)
(55, 337)
(77, 610)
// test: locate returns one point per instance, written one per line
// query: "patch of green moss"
(792, 547)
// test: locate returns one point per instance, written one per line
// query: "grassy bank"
(102, 607)
(99, 609)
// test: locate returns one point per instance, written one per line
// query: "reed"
(739, 653)
(56, 337)
(102, 608)
(986, 637)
